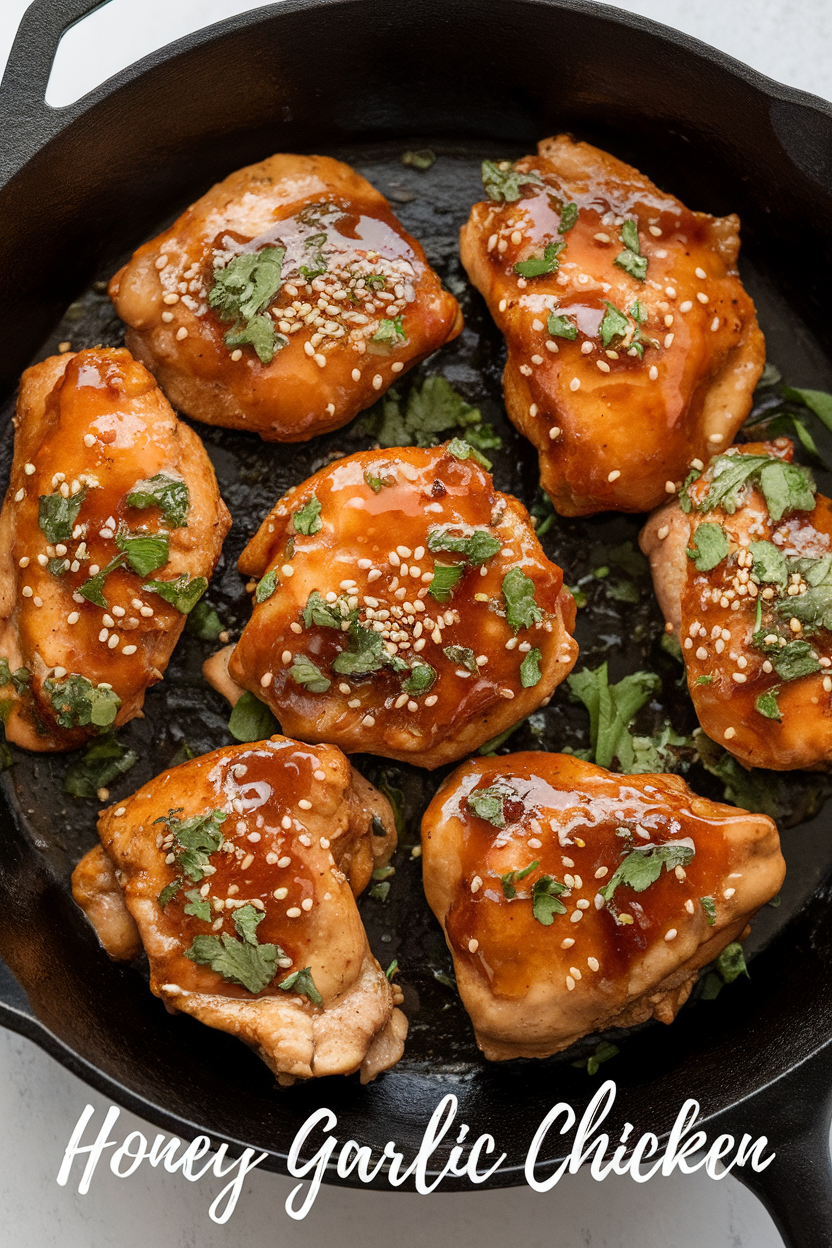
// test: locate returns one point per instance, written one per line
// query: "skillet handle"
(794, 1113)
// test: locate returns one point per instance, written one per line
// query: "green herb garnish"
(145, 551)
(242, 290)
(512, 878)
(709, 546)
(251, 719)
(522, 610)
(631, 260)
(538, 266)
(307, 519)
(642, 867)
(103, 762)
(488, 804)
(266, 586)
(530, 669)
(546, 901)
(169, 494)
(304, 672)
(57, 515)
(477, 547)
(445, 577)
(303, 984)
(78, 703)
(464, 657)
(561, 327)
(183, 593)
(251, 966)
(503, 182)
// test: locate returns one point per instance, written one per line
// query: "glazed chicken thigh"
(632, 346)
(284, 301)
(573, 899)
(742, 565)
(238, 871)
(404, 608)
(111, 525)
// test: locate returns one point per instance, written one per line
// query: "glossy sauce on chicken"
(283, 301)
(111, 526)
(404, 607)
(633, 347)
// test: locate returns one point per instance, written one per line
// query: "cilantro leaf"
(568, 218)
(430, 410)
(522, 610)
(530, 669)
(198, 906)
(304, 672)
(728, 474)
(813, 608)
(709, 546)
(796, 659)
(546, 901)
(477, 547)
(169, 892)
(613, 325)
(105, 760)
(503, 182)
(786, 487)
(709, 906)
(251, 966)
(633, 264)
(642, 867)
(731, 963)
(603, 1052)
(194, 840)
(460, 449)
(303, 984)
(318, 263)
(487, 803)
(377, 484)
(561, 327)
(145, 551)
(204, 622)
(512, 878)
(367, 653)
(319, 611)
(258, 333)
(389, 332)
(766, 703)
(445, 577)
(419, 160)
(183, 592)
(57, 515)
(169, 494)
(817, 401)
(611, 709)
(537, 266)
(93, 587)
(768, 564)
(422, 678)
(307, 520)
(266, 586)
(251, 719)
(78, 703)
(464, 657)
(242, 290)
(246, 919)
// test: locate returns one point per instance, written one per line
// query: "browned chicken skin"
(558, 960)
(92, 430)
(348, 642)
(761, 683)
(367, 308)
(614, 431)
(265, 888)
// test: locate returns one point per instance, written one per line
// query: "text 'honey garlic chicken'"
(284, 301)
(632, 346)
(110, 528)
(742, 565)
(238, 871)
(405, 608)
(574, 900)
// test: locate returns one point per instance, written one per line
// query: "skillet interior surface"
(105, 1023)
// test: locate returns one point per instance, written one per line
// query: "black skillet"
(80, 187)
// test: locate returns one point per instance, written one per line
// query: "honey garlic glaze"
(535, 975)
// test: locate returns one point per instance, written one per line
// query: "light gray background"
(790, 40)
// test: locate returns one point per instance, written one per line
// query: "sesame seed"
(309, 349)
(795, 625)
(533, 409)
(129, 649)
(27, 591)
(729, 733)
(576, 916)
(663, 532)
(728, 893)
(567, 943)
(554, 432)
(320, 360)
(701, 274)
(307, 904)
(715, 324)
(670, 488)
(354, 703)
(668, 340)
(293, 913)
(552, 346)
(181, 333)
(689, 906)
(432, 700)
(614, 475)
(701, 296)
(575, 383)
(368, 721)
(501, 306)
(112, 641)
(583, 904)
(305, 804)
(378, 381)
(286, 656)
(570, 983)
(21, 494)
(280, 893)
(473, 946)
(671, 934)
(266, 679)
(602, 365)
(701, 653)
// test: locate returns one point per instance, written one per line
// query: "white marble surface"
(790, 40)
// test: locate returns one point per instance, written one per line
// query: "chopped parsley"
(367, 653)
(642, 867)
(145, 551)
(307, 519)
(251, 719)
(194, 840)
(460, 449)
(246, 919)
(795, 659)
(377, 484)
(463, 657)
(731, 963)
(319, 611)
(522, 610)
(57, 515)
(512, 878)
(198, 907)
(538, 266)
(422, 159)
(709, 546)
(546, 901)
(611, 710)
(488, 804)
(785, 487)
(477, 547)
(561, 327)
(183, 592)
(93, 587)
(78, 703)
(530, 669)
(251, 966)
(503, 182)
(304, 672)
(389, 332)
(317, 260)
(568, 218)
(169, 494)
(422, 678)
(613, 325)
(242, 290)
(631, 260)
(445, 577)
(266, 586)
(303, 984)
(104, 761)
(766, 703)
(768, 564)
(709, 906)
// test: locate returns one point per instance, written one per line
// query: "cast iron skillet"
(79, 188)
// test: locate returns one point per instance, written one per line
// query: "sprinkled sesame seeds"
(294, 912)
(653, 372)
(576, 916)
(686, 306)
(554, 432)
(73, 617)
(181, 333)
(567, 943)
(701, 296)
(266, 679)
(575, 383)
(670, 934)
(729, 734)
(728, 893)
(570, 983)
(614, 475)
(368, 721)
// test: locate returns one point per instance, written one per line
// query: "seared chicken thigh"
(110, 528)
(632, 346)
(404, 608)
(283, 301)
(239, 871)
(573, 899)
(742, 565)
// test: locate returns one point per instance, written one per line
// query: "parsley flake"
(613, 325)
(766, 703)
(522, 610)
(251, 719)
(631, 260)
(568, 218)
(445, 577)
(93, 588)
(538, 266)
(709, 906)
(169, 494)
(477, 547)
(642, 867)
(78, 703)
(145, 551)
(266, 586)
(183, 592)
(512, 878)
(304, 672)
(251, 966)
(389, 332)
(503, 182)
(307, 520)
(194, 840)
(709, 546)
(319, 611)
(530, 669)
(57, 515)
(302, 983)
(561, 327)
(198, 907)
(422, 678)
(242, 290)
(104, 761)
(487, 803)
(546, 901)
(464, 657)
